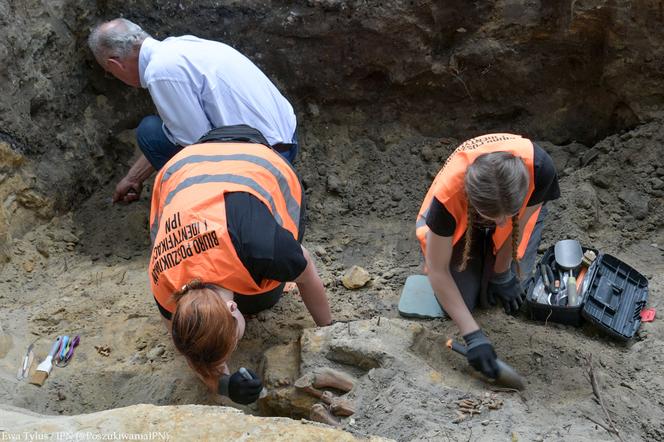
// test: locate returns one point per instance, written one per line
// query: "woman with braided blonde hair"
(479, 227)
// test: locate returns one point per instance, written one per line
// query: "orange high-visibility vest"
(188, 216)
(448, 187)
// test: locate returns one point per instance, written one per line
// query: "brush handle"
(245, 374)
(63, 347)
(455, 346)
(55, 347)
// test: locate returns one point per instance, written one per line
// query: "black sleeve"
(546, 178)
(165, 313)
(267, 250)
(440, 221)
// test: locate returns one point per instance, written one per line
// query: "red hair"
(203, 328)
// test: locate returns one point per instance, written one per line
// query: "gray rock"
(656, 183)
(636, 203)
(334, 184)
(156, 352)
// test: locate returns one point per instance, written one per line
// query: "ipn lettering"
(173, 222)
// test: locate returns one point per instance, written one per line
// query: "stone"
(355, 277)
(9, 158)
(183, 422)
(334, 184)
(42, 247)
(313, 109)
(635, 202)
(280, 368)
(657, 183)
(156, 352)
(28, 266)
(602, 179)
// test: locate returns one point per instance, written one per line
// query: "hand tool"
(24, 368)
(243, 371)
(572, 298)
(507, 376)
(569, 255)
(44, 368)
(579, 279)
(67, 352)
(64, 346)
(588, 257)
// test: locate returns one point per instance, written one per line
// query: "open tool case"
(611, 296)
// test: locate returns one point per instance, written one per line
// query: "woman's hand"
(480, 354)
(240, 389)
(506, 287)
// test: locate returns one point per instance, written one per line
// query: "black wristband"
(222, 387)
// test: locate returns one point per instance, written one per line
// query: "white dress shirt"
(198, 85)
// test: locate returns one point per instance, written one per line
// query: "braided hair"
(496, 185)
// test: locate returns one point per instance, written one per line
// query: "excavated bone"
(305, 384)
(338, 405)
(342, 407)
(320, 413)
(305, 381)
(327, 377)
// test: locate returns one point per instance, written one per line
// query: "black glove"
(240, 390)
(480, 354)
(507, 288)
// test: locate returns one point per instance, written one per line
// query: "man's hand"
(507, 288)
(127, 191)
(239, 389)
(480, 354)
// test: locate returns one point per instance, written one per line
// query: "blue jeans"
(291, 154)
(154, 144)
(158, 149)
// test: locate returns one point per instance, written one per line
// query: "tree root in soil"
(611, 427)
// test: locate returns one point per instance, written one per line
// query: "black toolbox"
(611, 296)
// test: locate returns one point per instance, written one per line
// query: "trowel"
(569, 255)
(507, 376)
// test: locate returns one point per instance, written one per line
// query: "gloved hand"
(480, 354)
(241, 390)
(507, 288)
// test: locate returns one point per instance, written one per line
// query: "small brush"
(44, 368)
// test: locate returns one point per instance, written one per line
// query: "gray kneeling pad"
(418, 300)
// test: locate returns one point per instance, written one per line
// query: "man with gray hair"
(196, 85)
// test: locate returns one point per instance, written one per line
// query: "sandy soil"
(85, 273)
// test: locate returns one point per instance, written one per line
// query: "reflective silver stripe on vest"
(153, 230)
(422, 219)
(292, 205)
(225, 178)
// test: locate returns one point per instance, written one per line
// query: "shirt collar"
(144, 55)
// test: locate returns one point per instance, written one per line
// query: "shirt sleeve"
(440, 220)
(546, 178)
(180, 109)
(267, 250)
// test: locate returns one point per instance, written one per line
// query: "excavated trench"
(383, 91)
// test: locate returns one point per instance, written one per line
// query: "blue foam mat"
(418, 299)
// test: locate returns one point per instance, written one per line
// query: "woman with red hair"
(227, 218)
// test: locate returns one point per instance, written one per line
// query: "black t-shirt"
(441, 222)
(267, 250)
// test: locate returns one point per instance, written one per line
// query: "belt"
(283, 147)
